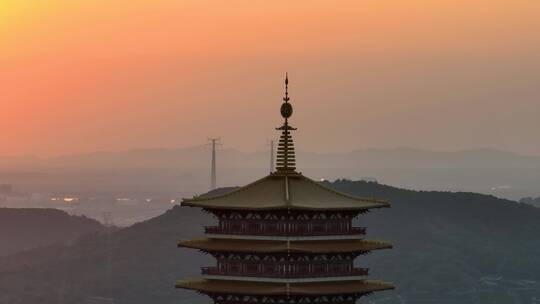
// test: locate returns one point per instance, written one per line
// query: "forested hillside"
(449, 248)
(23, 229)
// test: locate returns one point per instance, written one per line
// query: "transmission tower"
(271, 145)
(214, 142)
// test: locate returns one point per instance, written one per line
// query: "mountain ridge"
(234, 155)
(23, 229)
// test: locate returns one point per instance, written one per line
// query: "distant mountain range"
(198, 156)
(25, 229)
(175, 171)
(448, 248)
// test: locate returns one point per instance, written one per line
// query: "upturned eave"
(260, 246)
(285, 191)
(267, 288)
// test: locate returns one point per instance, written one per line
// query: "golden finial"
(286, 107)
(285, 162)
(286, 99)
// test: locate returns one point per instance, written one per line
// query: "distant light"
(323, 179)
(504, 187)
(173, 201)
(70, 199)
(148, 200)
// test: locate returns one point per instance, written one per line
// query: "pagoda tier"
(285, 245)
(285, 261)
(305, 290)
(285, 239)
(308, 223)
(354, 247)
(280, 191)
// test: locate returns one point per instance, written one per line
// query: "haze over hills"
(181, 171)
(25, 229)
(448, 248)
(197, 156)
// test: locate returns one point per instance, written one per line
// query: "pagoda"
(285, 239)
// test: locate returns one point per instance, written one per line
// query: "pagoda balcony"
(273, 228)
(282, 273)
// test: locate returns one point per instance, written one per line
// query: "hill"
(531, 201)
(449, 248)
(24, 229)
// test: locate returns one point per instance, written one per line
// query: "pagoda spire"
(284, 238)
(285, 162)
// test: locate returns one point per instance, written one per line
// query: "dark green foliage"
(23, 229)
(448, 246)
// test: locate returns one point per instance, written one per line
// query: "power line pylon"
(214, 142)
(270, 144)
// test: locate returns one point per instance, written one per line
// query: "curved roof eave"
(300, 193)
(260, 246)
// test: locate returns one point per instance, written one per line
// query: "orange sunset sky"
(80, 76)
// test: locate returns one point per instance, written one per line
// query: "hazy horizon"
(263, 149)
(504, 174)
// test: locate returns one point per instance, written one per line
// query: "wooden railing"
(284, 273)
(283, 228)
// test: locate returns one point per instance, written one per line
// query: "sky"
(80, 76)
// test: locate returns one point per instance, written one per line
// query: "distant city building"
(285, 239)
(369, 179)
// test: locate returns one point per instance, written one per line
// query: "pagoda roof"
(285, 191)
(263, 246)
(267, 288)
